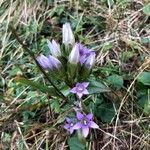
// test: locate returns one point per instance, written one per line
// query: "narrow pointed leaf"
(36, 85)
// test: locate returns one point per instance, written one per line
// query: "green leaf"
(1, 97)
(75, 144)
(65, 90)
(145, 40)
(127, 55)
(15, 70)
(6, 137)
(55, 106)
(97, 87)
(105, 112)
(107, 46)
(144, 78)
(37, 86)
(144, 101)
(59, 10)
(116, 81)
(146, 9)
(61, 120)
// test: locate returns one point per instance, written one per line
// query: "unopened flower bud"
(56, 64)
(54, 48)
(74, 55)
(68, 37)
(44, 62)
(90, 61)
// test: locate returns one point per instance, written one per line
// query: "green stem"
(40, 68)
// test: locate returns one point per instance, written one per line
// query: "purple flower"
(49, 62)
(84, 53)
(80, 89)
(54, 48)
(44, 62)
(56, 64)
(90, 60)
(85, 122)
(69, 125)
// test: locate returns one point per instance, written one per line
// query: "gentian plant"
(71, 63)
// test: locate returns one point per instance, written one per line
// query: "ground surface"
(119, 31)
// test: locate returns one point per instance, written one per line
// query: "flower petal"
(85, 84)
(93, 125)
(44, 62)
(79, 95)
(73, 90)
(54, 62)
(85, 131)
(89, 116)
(85, 91)
(68, 120)
(82, 59)
(78, 84)
(79, 116)
(54, 48)
(90, 61)
(71, 130)
(77, 126)
(66, 126)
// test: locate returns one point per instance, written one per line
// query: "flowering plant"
(70, 65)
(78, 59)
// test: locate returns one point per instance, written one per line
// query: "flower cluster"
(84, 123)
(74, 62)
(82, 54)
(79, 54)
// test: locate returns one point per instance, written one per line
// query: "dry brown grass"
(123, 28)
